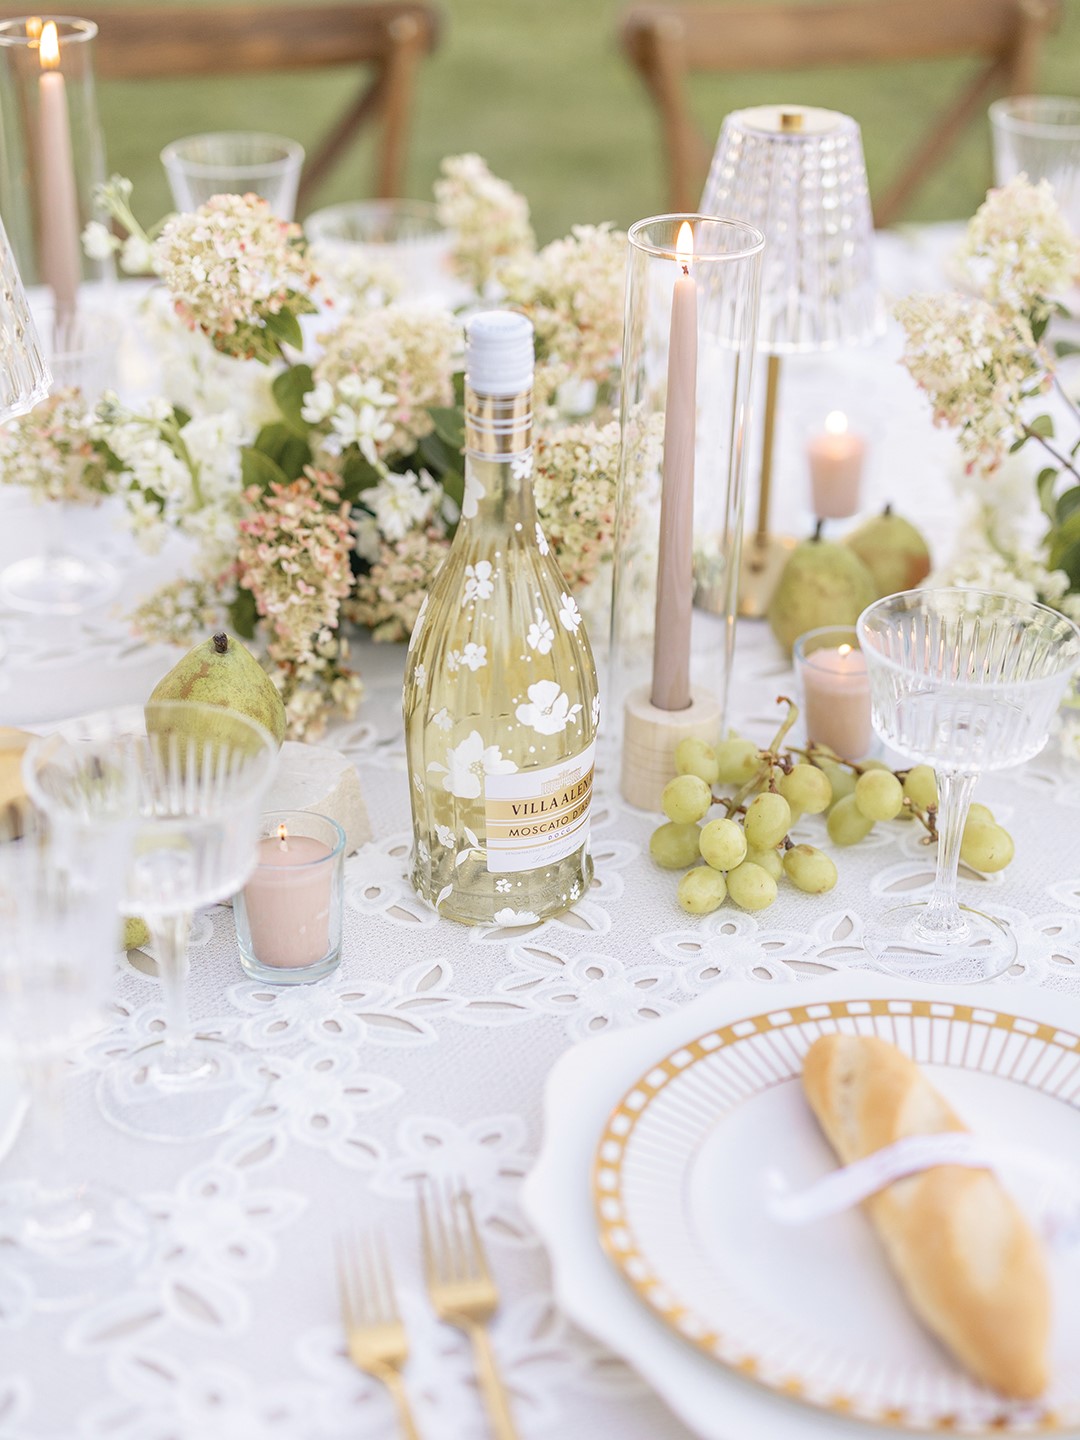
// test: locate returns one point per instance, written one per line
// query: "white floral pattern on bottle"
(596, 709)
(569, 613)
(541, 540)
(468, 763)
(474, 493)
(443, 720)
(521, 466)
(510, 919)
(549, 710)
(541, 636)
(478, 582)
(419, 676)
(474, 656)
(446, 836)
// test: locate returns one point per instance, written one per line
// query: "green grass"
(540, 89)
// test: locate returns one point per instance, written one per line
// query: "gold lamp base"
(763, 561)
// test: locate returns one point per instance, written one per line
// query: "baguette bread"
(970, 1264)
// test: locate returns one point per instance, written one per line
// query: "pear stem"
(221, 642)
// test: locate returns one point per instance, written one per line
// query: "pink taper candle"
(61, 267)
(675, 571)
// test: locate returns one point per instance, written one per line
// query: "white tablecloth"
(426, 1053)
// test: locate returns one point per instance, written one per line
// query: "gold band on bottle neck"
(497, 425)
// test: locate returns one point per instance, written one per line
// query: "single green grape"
(769, 860)
(674, 847)
(841, 779)
(702, 890)
(981, 814)
(751, 886)
(696, 757)
(723, 844)
(879, 795)
(807, 788)
(809, 869)
(874, 765)
(737, 761)
(920, 787)
(686, 799)
(986, 848)
(768, 820)
(847, 824)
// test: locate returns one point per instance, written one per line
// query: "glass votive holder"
(288, 915)
(398, 245)
(831, 671)
(234, 162)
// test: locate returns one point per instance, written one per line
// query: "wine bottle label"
(538, 817)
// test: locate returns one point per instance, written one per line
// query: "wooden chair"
(151, 42)
(668, 42)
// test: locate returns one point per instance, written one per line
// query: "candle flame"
(684, 246)
(283, 832)
(33, 27)
(844, 650)
(49, 51)
(836, 422)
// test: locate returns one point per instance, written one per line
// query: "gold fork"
(374, 1333)
(463, 1290)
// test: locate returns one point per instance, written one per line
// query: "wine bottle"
(501, 703)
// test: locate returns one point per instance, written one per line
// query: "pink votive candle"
(835, 690)
(836, 463)
(289, 914)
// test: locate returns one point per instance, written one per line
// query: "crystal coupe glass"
(965, 681)
(187, 781)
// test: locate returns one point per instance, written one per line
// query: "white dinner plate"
(681, 1185)
(587, 1085)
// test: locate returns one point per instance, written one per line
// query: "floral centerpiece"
(307, 437)
(986, 359)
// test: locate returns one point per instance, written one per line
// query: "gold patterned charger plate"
(680, 1183)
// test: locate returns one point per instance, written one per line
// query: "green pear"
(223, 672)
(822, 584)
(892, 550)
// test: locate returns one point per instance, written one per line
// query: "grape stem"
(769, 758)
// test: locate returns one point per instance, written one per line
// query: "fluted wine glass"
(188, 781)
(72, 1237)
(965, 681)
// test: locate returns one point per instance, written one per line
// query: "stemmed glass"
(188, 780)
(72, 1240)
(965, 681)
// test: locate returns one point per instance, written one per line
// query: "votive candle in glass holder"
(288, 915)
(836, 455)
(831, 669)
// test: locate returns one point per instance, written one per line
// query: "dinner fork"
(374, 1332)
(462, 1288)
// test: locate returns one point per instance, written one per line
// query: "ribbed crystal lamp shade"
(798, 174)
(24, 375)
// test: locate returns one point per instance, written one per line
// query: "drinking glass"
(1039, 135)
(234, 162)
(73, 1240)
(24, 373)
(188, 780)
(65, 579)
(965, 681)
(401, 240)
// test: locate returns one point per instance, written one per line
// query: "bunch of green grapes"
(748, 852)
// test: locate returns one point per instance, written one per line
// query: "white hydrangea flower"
(401, 503)
(318, 403)
(98, 241)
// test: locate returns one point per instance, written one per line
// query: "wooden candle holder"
(650, 736)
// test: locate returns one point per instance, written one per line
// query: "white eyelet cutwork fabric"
(425, 1054)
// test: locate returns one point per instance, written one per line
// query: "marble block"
(318, 778)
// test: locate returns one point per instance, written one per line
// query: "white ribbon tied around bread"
(1058, 1206)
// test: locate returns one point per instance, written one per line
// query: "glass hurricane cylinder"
(51, 150)
(715, 286)
(1039, 136)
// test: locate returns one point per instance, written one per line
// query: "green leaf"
(244, 615)
(1068, 503)
(1065, 347)
(1065, 547)
(1018, 443)
(1044, 486)
(1042, 425)
(291, 388)
(290, 452)
(1038, 328)
(285, 328)
(453, 483)
(449, 426)
(258, 469)
(459, 389)
(438, 456)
